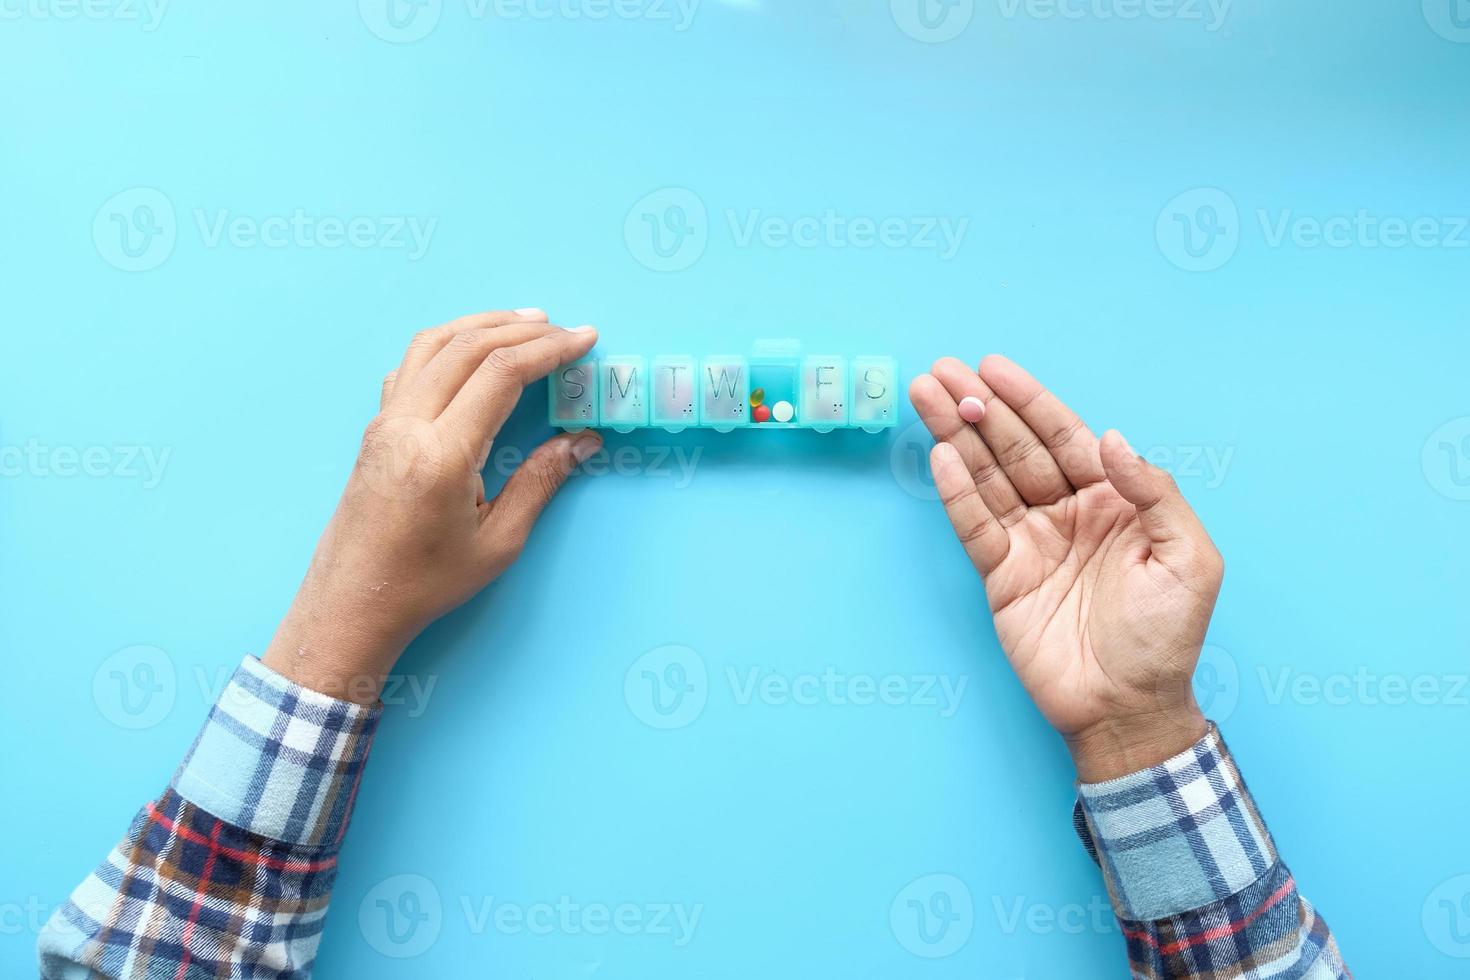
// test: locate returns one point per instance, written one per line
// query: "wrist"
(330, 649)
(1116, 747)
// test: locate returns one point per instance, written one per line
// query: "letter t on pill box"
(675, 381)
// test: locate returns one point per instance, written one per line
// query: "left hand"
(1100, 577)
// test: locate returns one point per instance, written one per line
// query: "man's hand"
(1100, 577)
(414, 536)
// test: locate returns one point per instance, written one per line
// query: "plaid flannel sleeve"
(1194, 877)
(228, 873)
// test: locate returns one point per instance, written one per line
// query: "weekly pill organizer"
(775, 387)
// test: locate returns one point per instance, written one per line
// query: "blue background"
(1320, 376)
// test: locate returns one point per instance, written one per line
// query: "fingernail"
(1124, 441)
(584, 328)
(529, 311)
(972, 409)
(584, 447)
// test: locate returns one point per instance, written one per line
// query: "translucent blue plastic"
(721, 391)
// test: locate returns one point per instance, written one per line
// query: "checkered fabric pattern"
(1194, 876)
(228, 874)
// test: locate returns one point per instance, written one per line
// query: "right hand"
(413, 536)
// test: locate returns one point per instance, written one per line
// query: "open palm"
(1099, 576)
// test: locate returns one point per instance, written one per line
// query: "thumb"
(530, 488)
(1179, 540)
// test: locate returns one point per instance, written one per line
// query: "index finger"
(1068, 439)
(481, 407)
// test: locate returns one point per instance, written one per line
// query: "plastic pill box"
(774, 387)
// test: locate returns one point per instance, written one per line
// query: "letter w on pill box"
(775, 387)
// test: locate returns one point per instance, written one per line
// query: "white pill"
(782, 411)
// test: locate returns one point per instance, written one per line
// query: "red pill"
(761, 413)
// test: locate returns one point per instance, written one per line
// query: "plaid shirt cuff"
(1178, 836)
(279, 760)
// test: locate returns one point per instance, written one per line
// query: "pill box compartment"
(624, 383)
(674, 379)
(773, 375)
(724, 383)
(574, 404)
